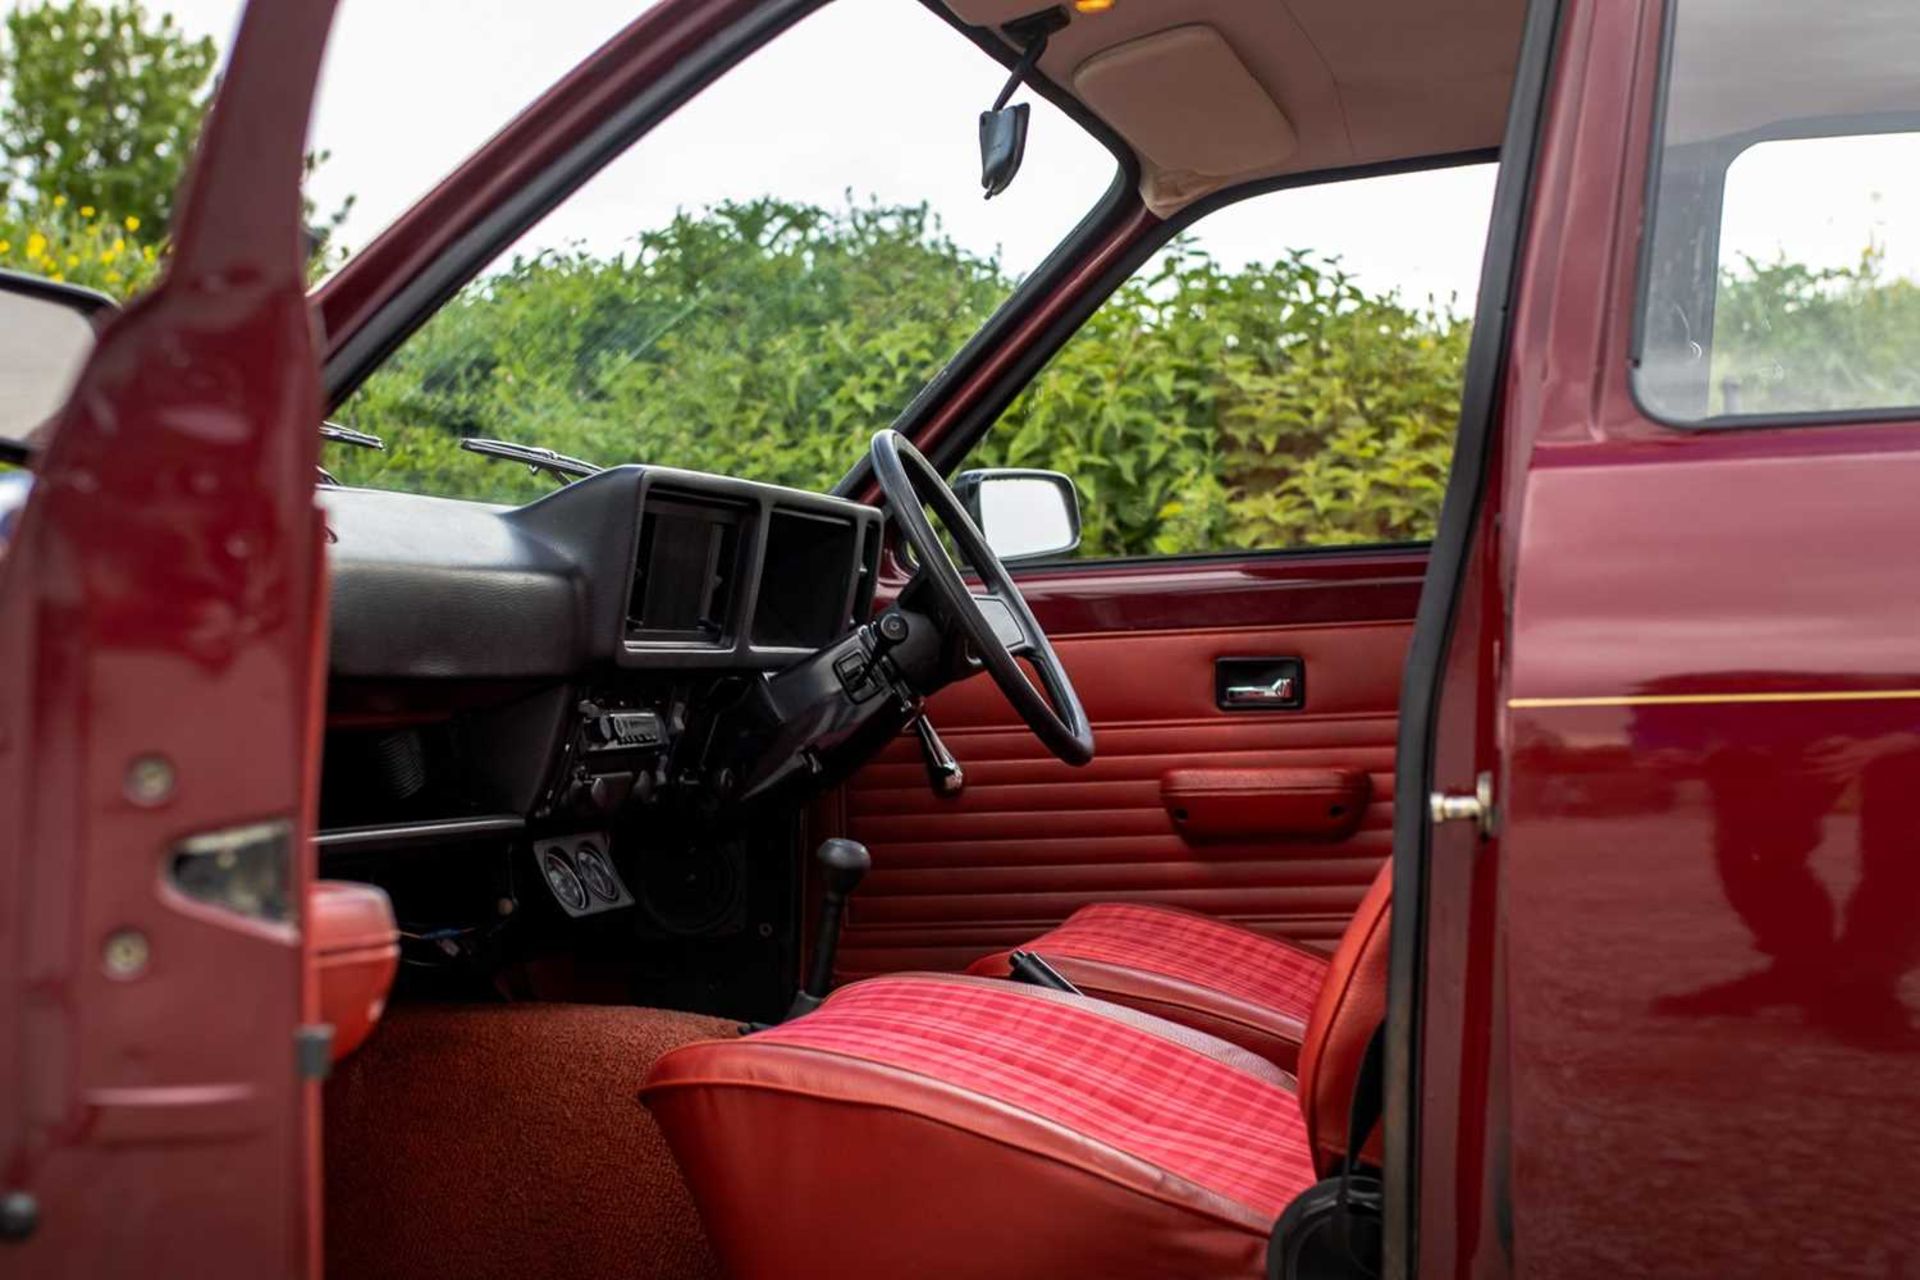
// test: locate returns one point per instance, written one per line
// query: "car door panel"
(1030, 840)
(162, 645)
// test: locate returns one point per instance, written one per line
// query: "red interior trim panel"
(1031, 840)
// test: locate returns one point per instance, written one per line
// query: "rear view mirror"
(46, 334)
(1003, 129)
(1003, 143)
(1025, 515)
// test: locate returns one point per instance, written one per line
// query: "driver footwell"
(509, 1140)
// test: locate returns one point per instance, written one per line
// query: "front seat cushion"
(1231, 982)
(927, 1124)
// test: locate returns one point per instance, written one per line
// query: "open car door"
(162, 649)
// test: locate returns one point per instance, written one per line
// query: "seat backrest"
(1353, 1001)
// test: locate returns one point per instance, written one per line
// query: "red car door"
(162, 606)
(1183, 804)
(1702, 1023)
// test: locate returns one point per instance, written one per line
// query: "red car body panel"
(1709, 871)
(162, 607)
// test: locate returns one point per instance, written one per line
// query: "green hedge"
(1200, 408)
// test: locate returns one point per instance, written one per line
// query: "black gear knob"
(843, 865)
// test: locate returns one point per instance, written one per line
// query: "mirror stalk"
(1003, 129)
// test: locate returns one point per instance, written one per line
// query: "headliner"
(1357, 82)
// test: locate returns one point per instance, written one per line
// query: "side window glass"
(749, 291)
(1287, 374)
(1816, 305)
(1781, 273)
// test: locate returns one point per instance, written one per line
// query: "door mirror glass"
(46, 334)
(1025, 515)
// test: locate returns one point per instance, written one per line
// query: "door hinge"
(1458, 806)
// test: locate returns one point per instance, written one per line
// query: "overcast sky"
(877, 98)
(873, 97)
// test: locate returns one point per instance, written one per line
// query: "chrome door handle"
(1280, 689)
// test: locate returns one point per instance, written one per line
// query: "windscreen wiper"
(536, 458)
(337, 434)
(334, 433)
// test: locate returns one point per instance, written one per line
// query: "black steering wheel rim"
(910, 484)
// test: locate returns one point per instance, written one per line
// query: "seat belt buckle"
(1026, 966)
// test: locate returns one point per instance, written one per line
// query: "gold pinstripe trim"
(1710, 699)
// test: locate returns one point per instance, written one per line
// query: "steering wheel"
(998, 624)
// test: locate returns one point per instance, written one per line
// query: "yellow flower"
(59, 202)
(6, 246)
(86, 211)
(113, 277)
(146, 251)
(56, 277)
(119, 246)
(133, 223)
(36, 247)
(73, 259)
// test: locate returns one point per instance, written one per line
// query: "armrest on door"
(1217, 804)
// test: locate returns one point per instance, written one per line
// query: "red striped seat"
(1231, 982)
(965, 1127)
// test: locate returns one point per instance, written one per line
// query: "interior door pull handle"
(1279, 689)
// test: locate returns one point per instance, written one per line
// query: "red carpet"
(509, 1141)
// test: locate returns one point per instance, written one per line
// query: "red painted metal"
(1456, 1100)
(1709, 896)
(161, 600)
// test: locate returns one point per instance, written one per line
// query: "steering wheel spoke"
(996, 623)
(1005, 622)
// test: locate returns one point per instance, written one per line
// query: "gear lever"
(843, 863)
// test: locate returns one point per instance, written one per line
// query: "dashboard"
(617, 692)
(644, 568)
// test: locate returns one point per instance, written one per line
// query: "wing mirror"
(47, 331)
(1025, 515)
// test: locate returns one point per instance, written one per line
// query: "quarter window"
(1783, 268)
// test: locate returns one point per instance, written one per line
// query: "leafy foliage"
(1278, 405)
(80, 245)
(1790, 338)
(102, 105)
(1200, 408)
(763, 339)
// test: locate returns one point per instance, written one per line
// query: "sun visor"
(1190, 108)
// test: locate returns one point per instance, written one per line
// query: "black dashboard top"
(642, 567)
